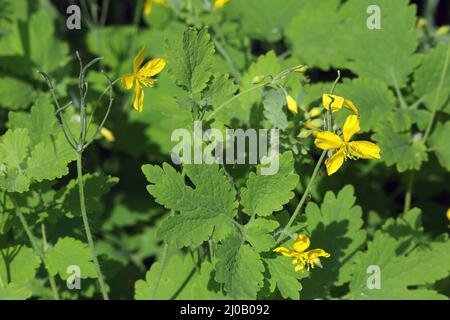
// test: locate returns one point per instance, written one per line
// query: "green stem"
(161, 268)
(316, 169)
(399, 94)
(212, 114)
(226, 56)
(408, 194)
(436, 96)
(37, 250)
(221, 48)
(88, 228)
(305, 195)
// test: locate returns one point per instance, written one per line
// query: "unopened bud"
(258, 79)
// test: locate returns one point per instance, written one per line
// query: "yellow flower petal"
(327, 140)
(292, 104)
(335, 162)
(152, 68)
(365, 149)
(349, 105)
(448, 214)
(138, 60)
(317, 253)
(220, 3)
(351, 126)
(299, 267)
(284, 251)
(128, 81)
(148, 7)
(138, 101)
(301, 243)
(332, 101)
(107, 134)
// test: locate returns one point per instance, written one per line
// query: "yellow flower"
(148, 5)
(346, 149)
(292, 104)
(107, 134)
(220, 3)
(448, 214)
(302, 258)
(142, 76)
(336, 103)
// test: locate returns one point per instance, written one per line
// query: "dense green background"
(261, 37)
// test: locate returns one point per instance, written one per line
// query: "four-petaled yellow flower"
(220, 3)
(148, 5)
(336, 103)
(142, 76)
(346, 149)
(301, 257)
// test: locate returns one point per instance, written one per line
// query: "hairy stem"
(37, 249)
(88, 228)
(408, 194)
(305, 195)
(161, 268)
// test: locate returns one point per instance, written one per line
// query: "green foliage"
(208, 231)
(68, 252)
(239, 268)
(207, 206)
(190, 63)
(265, 194)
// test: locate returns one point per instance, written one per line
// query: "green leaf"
(439, 141)
(40, 122)
(178, 279)
(49, 160)
(284, 277)
(335, 227)
(239, 268)
(46, 51)
(14, 146)
(206, 207)
(265, 194)
(315, 34)
(373, 99)
(400, 149)
(266, 65)
(70, 252)
(258, 233)
(191, 60)
(219, 90)
(265, 19)
(18, 265)
(114, 43)
(95, 186)
(13, 292)
(403, 276)
(386, 54)
(432, 78)
(15, 94)
(273, 102)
